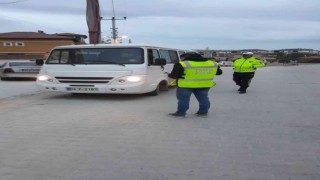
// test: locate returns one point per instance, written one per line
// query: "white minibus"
(108, 69)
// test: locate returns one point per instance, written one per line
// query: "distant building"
(299, 50)
(310, 59)
(77, 38)
(34, 45)
(230, 55)
(311, 55)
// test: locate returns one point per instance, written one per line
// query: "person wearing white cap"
(244, 70)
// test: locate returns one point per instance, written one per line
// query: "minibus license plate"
(82, 89)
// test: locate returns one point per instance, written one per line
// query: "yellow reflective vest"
(198, 74)
(243, 65)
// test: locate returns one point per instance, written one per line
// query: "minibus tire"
(155, 92)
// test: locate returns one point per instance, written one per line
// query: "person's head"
(191, 56)
(183, 56)
(247, 54)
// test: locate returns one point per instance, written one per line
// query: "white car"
(19, 69)
(225, 63)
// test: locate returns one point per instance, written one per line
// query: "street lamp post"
(114, 29)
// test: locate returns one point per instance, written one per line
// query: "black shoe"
(177, 115)
(242, 92)
(204, 115)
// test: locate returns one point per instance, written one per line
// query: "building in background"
(34, 45)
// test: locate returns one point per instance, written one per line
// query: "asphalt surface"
(14, 88)
(270, 133)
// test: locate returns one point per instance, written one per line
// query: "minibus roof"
(111, 46)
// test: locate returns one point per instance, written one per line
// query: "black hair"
(193, 56)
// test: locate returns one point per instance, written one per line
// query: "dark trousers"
(243, 79)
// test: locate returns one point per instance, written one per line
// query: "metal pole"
(114, 29)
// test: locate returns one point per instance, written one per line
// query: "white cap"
(248, 53)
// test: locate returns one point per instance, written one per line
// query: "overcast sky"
(189, 24)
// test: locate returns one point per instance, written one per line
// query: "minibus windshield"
(74, 56)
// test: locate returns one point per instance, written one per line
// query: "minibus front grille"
(84, 80)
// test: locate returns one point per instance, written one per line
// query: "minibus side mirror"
(160, 62)
(39, 62)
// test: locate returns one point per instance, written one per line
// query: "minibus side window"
(59, 57)
(170, 56)
(165, 54)
(152, 55)
(174, 56)
(64, 59)
(54, 57)
(181, 52)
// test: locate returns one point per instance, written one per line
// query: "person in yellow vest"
(194, 75)
(244, 69)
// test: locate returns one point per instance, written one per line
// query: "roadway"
(272, 132)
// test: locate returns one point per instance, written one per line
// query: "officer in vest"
(194, 75)
(244, 69)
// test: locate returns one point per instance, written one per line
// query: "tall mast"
(114, 29)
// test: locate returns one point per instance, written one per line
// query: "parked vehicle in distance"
(225, 63)
(17, 69)
(293, 62)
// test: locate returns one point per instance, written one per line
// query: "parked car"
(293, 62)
(225, 63)
(19, 69)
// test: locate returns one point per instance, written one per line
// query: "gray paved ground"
(272, 132)
(17, 88)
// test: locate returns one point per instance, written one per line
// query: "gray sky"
(189, 24)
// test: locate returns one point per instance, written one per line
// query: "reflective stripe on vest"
(198, 74)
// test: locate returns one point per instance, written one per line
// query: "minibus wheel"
(155, 92)
(162, 86)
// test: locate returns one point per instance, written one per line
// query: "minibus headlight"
(134, 78)
(44, 78)
(130, 79)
